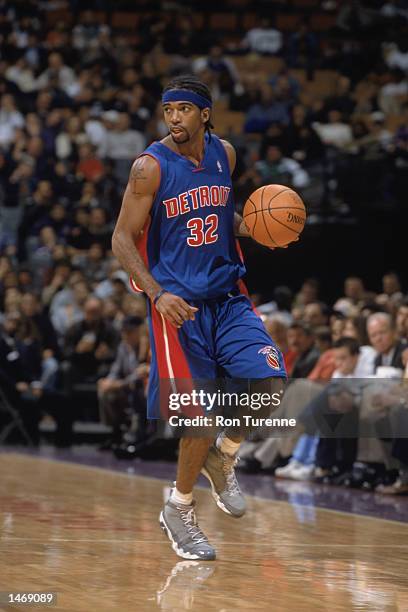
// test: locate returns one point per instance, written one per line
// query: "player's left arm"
(239, 225)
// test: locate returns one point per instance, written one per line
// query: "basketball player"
(175, 237)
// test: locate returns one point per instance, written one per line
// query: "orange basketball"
(274, 215)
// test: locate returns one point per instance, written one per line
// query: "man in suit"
(121, 391)
(384, 339)
(392, 352)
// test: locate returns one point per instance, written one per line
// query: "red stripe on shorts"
(174, 372)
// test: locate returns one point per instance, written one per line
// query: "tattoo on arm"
(137, 174)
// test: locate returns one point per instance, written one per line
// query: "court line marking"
(256, 497)
(224, 543)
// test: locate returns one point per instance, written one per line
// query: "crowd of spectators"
(80, 99)
(347, 363)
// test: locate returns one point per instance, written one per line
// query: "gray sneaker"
(219, 469)
(179, 523)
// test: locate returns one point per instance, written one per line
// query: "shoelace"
(228, 464)
(189, 519)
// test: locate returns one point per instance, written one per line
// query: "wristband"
(158, 295)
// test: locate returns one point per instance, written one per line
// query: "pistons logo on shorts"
(271, 356)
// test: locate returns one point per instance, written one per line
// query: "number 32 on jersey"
(202, 231)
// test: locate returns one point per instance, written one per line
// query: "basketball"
(274, 215)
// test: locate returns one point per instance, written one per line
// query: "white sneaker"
(304, 472)
(287, 470)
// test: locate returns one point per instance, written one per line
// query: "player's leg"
(245, 351)
(178, 519)
(193, 452)
(219, 467)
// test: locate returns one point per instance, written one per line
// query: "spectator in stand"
(303, 48)
(401, 320)
(301, 140)
(89, 165)
(301, 339)
(264, 39)
(342, 101)
(123, 145)
(60, 275)
(69, 139)
(32, 310)
(316, 314)
(28, 379)
(384, 339)
(275, 167)
(87, 33)
(269, 108)
(396, 56)
(355, 296)
(93, 263)
(278, 330)
(392, 294)
(335, 132)
(40, 252)
(335, 456)
(79, 237)
(10, 120)
(309, 292)
(66, 314)
(121, 393)
(222, 68)
(99, 227)
(90, 345)
(393, 94)
(57, 74)
(34, 215)
(22, 75)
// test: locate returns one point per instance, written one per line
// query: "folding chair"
(15, 421)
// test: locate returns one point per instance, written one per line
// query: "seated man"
(120, 394)
(90, 345)
(29, 381)
(350, 362)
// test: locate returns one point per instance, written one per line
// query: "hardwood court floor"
(93, 536)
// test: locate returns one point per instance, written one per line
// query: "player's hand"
(243, 229)
(175, 309)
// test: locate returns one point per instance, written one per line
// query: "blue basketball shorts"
(227, 339)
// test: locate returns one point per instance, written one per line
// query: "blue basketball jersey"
(190, 247)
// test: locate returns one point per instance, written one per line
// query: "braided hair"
(192, 83)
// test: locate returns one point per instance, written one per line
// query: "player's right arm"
(137, 202)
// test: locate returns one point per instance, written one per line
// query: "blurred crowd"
(79, 100)
(348, 366)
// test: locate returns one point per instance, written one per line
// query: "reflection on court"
(93, 537)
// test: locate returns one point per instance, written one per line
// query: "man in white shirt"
(123, 145)
(264, 39)
(335, 132)
(64, 75)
